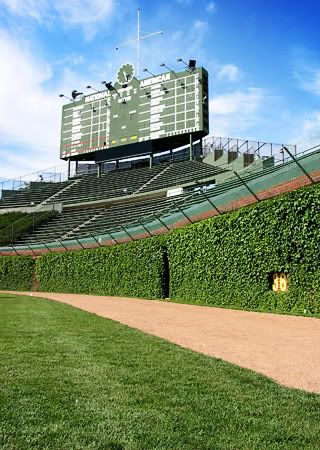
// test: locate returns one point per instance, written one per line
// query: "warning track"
(284, 348)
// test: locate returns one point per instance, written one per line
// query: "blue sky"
(263, 60)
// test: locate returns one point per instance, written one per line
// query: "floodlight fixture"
(75, 94)
(108, 85)
(164, 65)
(174, 73)
(146, 70)
(93, 88)
(191, 65)
(65, 96)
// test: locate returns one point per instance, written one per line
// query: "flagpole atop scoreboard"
(138, 39)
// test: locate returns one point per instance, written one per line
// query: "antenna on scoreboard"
(138, 39)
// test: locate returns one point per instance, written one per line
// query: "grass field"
(72, 380)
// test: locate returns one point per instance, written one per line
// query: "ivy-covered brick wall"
(225, 261)
(16, 273)
(134, 269)
(229, 260)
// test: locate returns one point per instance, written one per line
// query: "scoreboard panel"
(162, 109)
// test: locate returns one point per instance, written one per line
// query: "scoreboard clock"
(136, 116)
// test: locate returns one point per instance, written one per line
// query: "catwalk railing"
(244, 146)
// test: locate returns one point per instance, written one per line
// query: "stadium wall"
(133, 270)
(16, 273)
(225, 261)
(228, 196)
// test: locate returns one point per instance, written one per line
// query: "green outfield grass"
(72, 380)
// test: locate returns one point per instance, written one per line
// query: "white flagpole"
(138, 42)
(138, 39)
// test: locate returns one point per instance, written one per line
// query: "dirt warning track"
(284, 348)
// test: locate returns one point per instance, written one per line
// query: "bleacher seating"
(180, 173)
(90, 188)
(109, 185)
(33, 194)
(142, 180)
(94, 221)
(86, 219)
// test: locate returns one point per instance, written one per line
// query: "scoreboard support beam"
(201, 147)
(191, 148)
(69, 167)
(99, 170)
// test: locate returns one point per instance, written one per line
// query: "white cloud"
(36, 9)
(73, 60)
(306, 70)
(29, 113)
(236, 113)
(211, 7)
(229, 72)
(84, 13)
(311, 123)
(200, 25)
(184, 2)
(237, 102)
(306, 130)
(309, 80)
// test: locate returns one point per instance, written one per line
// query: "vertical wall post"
(191, 148)
(99, 170)
(201, 147)
(151, 161)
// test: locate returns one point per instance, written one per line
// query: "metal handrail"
(10, 230)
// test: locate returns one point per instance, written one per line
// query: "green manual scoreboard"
(134, 116)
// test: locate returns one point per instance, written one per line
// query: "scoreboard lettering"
(163, 108)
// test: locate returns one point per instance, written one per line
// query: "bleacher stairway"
(93, 205)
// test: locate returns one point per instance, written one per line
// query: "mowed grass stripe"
(72, 380)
